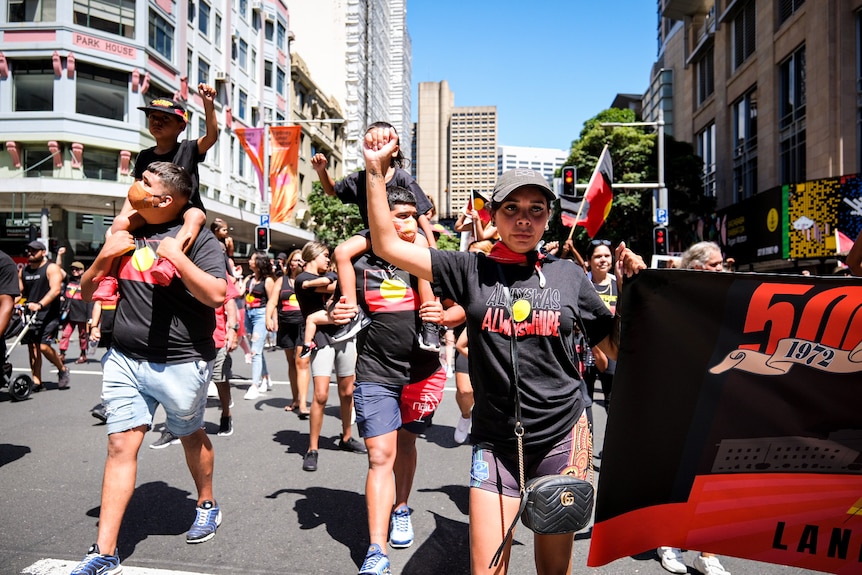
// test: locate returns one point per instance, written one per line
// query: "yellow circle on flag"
(393, 289)
(143, 258)
(292, 300)
(478, 204)
(520, 310)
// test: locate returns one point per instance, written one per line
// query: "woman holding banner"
(550, 297)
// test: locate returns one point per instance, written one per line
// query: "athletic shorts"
(493, 472)
(382, 408)
(461, 364)
(288, 335)
(132, 390)
(338, 356)
(222, 366)
(42, 332)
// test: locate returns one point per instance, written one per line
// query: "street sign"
(264, 219)
(661, 216)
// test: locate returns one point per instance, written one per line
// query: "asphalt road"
(277, 518)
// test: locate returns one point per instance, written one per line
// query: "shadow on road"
(458, 494)
(10, 453)
(447, 549)
(340, 512)
(156, 508)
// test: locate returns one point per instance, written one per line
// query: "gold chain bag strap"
(551, 504)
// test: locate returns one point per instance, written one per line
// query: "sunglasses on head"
(600, 243)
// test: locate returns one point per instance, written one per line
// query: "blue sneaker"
(97, 564)
(400, 528)
(207, 520)
(376, 562)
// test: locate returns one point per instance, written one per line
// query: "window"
(706, 150)
(705, 76)
(744, 142)
(243, 8)
(786, 9)
(243, 104)
(268, 30)
(203, 71)
(204, 18)
(218, 31)
(38, 162)
(33, 82)
(791, 118)
(101, 91)
(243, 54)
(112, 16)
(190, 56)
(281, 35)
(267, 73)
(743, 34)
(279, 81)
(101, 164)
(32, 10)
(253, 64)
(161, 36)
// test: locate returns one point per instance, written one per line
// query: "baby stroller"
(21, 387)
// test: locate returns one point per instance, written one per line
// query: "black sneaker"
(359, 322)
(353, 445)
(225, 427)
(99, 413)
(307, 349)
(429, 337)
(309, 462)
(166, 439)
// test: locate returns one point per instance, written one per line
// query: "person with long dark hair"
(258, 291)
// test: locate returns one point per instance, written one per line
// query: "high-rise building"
(456, 149)
(546, 161)
(766, 91)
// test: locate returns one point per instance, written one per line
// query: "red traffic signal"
(261, 238)
(659, 237)
(569, 175)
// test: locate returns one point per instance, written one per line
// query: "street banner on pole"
(736, 426)
(252, 142)
(283, 171)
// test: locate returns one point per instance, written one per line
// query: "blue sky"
(548, 65)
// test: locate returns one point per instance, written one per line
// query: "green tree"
(635, 159)
(332, 221)
(449, 243)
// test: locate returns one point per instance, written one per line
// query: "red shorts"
(420, 399)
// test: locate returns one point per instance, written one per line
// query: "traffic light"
(261, 238)
(569, 177)
(659, 240)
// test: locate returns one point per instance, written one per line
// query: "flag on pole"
(252, 142)
(599, 196)
(569, 210)
(283, 171)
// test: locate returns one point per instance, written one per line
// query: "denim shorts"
(132, 390)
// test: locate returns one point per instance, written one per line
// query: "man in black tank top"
(41, 283)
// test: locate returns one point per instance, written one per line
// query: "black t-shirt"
(388, 350)
(311, 301)
(165, 324)
(8, 276)
(549, 382)
(78, 309)
(185, 155)
(36, 285)
(288, 303)
(255, 293)
(352, 189)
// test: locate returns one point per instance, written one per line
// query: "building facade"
(768, 92)
(546, 161)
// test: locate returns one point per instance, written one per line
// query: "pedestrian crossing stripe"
(58, 567)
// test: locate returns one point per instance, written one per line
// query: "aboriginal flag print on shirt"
(165, 324)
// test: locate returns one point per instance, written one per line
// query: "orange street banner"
(599, 196)
(283, 171)
(737, 426)
(252, 142)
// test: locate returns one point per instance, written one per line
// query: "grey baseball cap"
(512, 180)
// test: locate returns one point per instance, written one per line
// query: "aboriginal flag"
(599, 195)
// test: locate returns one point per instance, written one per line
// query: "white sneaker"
(252, 393)
(212, 390)
(265, 384)
(462, 429)
(709, 565)
(671, 559)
